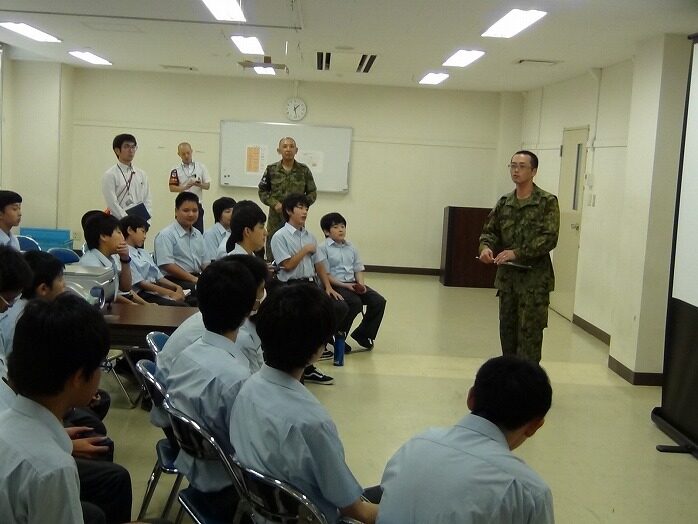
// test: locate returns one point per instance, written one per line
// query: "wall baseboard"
(592, 329)
(636, 379)
(404, 270)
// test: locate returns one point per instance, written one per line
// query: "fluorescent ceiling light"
(513, 23)
(264, 70)
(227, 10)
(90, 57)
(248, 45)
(433, 78)
(29, 32)
(463, 58)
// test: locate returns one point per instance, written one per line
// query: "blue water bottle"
(339, 348)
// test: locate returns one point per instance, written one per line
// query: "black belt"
(305, 280)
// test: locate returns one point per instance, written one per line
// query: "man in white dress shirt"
(190, 176)
(124, 186)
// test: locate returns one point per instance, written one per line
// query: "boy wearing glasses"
(518, 236)
(125, 187)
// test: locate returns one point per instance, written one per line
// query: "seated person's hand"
(90, 447)
(333, 294)
(309, 248)
(178, 295)
(359, 289)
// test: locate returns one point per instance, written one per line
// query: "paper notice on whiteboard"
(255, 159)
(313, 159)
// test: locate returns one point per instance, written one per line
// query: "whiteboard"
(248, 147)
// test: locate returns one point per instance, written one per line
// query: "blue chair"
(166, 452)
(65, 255)
(156, 341)
(28, 244)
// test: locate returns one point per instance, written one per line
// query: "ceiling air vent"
(344, 62)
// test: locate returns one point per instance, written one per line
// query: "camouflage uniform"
(277, 184)
(530, 228)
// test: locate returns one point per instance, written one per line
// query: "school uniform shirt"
(8, 239)
(95, 258)
(250, 344)
(38, 477)
(176, 245)
(341, 260)
(279, 428)
(212, 239)
(288, 241)
(143, 265)
(125, 186)
(203, 382)
(479, 480)
(183, 173)
(8, 322)
(7, 395)
(237, 250)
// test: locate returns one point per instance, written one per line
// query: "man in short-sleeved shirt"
(123, 185)
(190, 176)
(215, 235)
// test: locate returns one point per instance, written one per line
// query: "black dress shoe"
(364, 342)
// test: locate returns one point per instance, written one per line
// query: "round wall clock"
(296, 109)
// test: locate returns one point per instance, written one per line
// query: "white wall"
(414, 151)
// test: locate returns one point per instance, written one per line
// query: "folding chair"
(28, 243)
(65, 255)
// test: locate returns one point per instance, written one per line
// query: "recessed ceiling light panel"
(264, 70)
(90, 57)
(463, 58)
(248, 45)
(433, 78)
(30, 32)
(225, 10)
(513, 23)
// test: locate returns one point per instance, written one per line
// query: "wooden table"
(128, 325)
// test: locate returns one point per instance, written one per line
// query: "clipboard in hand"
(139, 210)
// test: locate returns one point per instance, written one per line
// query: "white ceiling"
(409, 37)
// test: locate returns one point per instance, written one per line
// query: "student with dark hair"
(125, 187)
(346, 273)
(106, 248)
(247, 231)
(152, 285)
(10, 216)
(222, 212)
(278, 427)
(203, 380)
(179, 248)
(15, 275)
(58, 348)
(479, 479)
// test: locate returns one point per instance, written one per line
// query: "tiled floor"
(596, 449)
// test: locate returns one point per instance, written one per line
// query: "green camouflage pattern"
(276, 184)
(530, 228)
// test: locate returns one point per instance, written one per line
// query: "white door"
(570, 194)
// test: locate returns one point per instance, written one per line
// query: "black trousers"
(375, 307)
(157, 299)
(108, 487)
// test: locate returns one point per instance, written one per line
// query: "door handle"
(574, 226)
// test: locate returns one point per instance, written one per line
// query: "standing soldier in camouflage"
(522, 229)
(280, 180)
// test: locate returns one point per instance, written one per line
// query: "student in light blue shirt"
(59, 346)
(204, 379)
(15, 275)
(278, 427)
(346, 273)
(106, 248)
(478, 479)
(10, 216)
(179, 248)
(151, 286)
(222, 212)
(248, 234)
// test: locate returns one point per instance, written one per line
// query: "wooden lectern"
(461, 233)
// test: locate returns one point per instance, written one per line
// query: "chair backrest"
(155, 389)
(275, 499)
(156, 341)
(28, 243)
(196, 441)
(65, 255)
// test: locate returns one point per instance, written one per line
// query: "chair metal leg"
(123, 388)
(150, 489)
(173, 495)
(180, 515)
